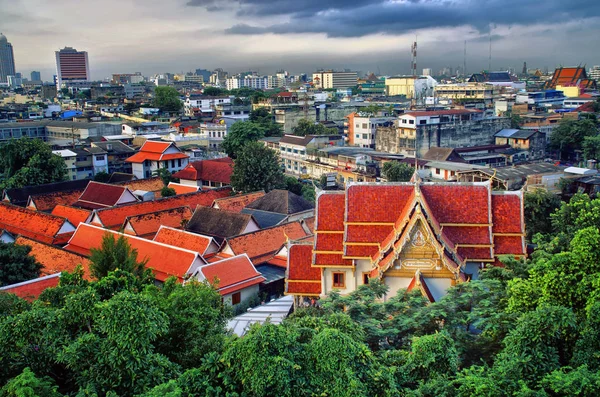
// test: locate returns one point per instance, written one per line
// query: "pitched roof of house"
(186, 240)
(153, 184)
(54, 259)
(117, 177)
(37, 225)
(47, 201)
(164, 260)
(366, 220)
(31, 289)
(183, 189)
(440, 154)
(74, 215)
(218, 170)
(238, 202)
(217, 223)
(146, 225)
(155, 151)
(265, 218)
(114, 217)
(19, 196)
(232, 274)
(302, 278)
(114, 147)
(101, 195)
(281, 202)
(264, 244)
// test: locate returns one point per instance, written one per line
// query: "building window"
(236, 298)
(179, 162)
(411, 121)
(339, 280)
(422, 121)
(364, 126)
(172, 163)
(366, 278)
(99, 158)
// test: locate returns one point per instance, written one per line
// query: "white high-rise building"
(594, 73)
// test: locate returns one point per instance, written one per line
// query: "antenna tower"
(490, 60)
(413, 64)
(465, 60)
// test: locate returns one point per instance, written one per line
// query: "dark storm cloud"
(356, 18)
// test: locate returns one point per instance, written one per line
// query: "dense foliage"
(308, 127)
(16, 265)
(395, 171)
(530, 328)
(571, 135)
(256, 168)
(266, 121)
(167, 99)
(28, 162)
(240, 134)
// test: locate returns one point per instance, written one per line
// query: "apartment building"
(365, 129)
(202, 104)
(327, 79)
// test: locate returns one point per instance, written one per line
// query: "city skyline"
(300, 36)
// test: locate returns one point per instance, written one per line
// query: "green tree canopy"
(265, 119)
(116, 254)
(167, 192)
(570, 136)
(395, 171)
(539, 205)
(591, 147)
(239, 135)
(102, 176)
(167, 99)
(256, 168)
(307, 127)
(16, 265)
(27, 162)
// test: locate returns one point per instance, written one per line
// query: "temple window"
(339, 280)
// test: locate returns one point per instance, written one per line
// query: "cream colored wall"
(400, 86)
(570, 92)
(395, 284)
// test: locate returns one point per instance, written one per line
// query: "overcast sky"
(153, 36)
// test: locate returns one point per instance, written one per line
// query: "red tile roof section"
(114, 217)
(101, 194)
(262, 245)
(146, 225)
(302, 278)
(233, 274)
(74, 215)
(155, 151)
(182, 239)
(237, 203)
(37, 225)
(330, 211)
(208, 170)
(165, 260)
(53, 259)
(31, 289)
(48, 201)
(377, 203)
(506, 213)
(466, 204)
(183, 189)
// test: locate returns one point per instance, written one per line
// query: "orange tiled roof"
(146, 225)
(53, 259)
(218, 170)
(232, 274)
(186, 240)
(570, 76)
(31, 289)
(155, 151)
(183, 189)
(153, 184)
(155, 147)
(114, 217)
(237, 203)
(48, 201)
(263, 244)
(37, 225)
(302, 278)
(164, 260)
(74, 215)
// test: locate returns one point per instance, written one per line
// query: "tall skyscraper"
(7, 59)
(71, 66)
(36, 76)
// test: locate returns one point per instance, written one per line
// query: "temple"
(421, 235)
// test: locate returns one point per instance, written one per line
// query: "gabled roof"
(19, 196)
(263, 244)
(238, 202)
(183, 189)
(515, 134)
(302, 278)
(31, 289)
(217, 223)
(570, 76)
(101, 195)
(153, 184)
(265, 218)
(74, 215)
(190, 241)
(146, 225)
(281, 202)
(232, 274)
(53, 259)
(164, 260)
(37, 225)
(218, 170)
(156, 151)
(442, 154)
(114, 217)
(119, 177)
(114, 147)
(47, 201)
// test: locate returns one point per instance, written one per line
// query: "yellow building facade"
(395, 86)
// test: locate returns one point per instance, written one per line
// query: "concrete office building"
(331, 79)
(71, 66)
(36, 76)
(7, 60)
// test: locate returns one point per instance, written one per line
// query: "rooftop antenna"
(465, 60)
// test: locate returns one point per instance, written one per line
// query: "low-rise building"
(68, 157)
(207, 173)
(196, 105)
(530, 144)
(155, 155)
(365, 129)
